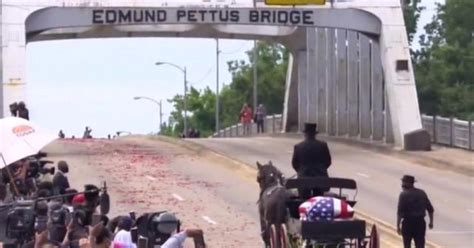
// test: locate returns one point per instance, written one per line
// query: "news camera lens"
(166, 223)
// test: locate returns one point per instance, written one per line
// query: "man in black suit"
(311, 158)
(413, 204)
(60, 181)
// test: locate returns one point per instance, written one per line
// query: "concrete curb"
(384, 227)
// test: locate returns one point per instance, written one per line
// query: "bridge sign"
(295, 2)
(201, 15)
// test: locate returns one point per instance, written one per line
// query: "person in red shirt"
(246, 118)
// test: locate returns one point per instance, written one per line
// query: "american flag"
(324, 209)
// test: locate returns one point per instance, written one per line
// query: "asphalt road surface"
(149, 176)
(378, 177)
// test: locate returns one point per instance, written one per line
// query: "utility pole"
(185, 103)
(217, 85)
(161, 118)
(255, 59)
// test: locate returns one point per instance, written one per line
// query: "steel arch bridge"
(349, 69)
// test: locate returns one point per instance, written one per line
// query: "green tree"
(411, 14)
(272, 65)
(444, 64)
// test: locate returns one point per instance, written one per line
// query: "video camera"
(25, 217)
(37, 167)
(155, 228)
(34, 169)
(20, 222)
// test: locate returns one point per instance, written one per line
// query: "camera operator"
(92, 201)
(77, 230)
(18, 172)
(58, 219)
(60, 180)
(123, 238)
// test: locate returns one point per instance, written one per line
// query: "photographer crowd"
(38, 208)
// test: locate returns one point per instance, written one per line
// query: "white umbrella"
(20, 138)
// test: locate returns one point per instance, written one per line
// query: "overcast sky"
(78, 83)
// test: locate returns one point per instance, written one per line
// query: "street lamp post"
(155, 101)
(185, 91)
(217, 86)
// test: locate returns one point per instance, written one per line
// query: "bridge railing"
(449, 131)
(272, 124)
(445, 131)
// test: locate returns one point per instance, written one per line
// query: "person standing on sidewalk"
(260, 115)
(413, 204)
(246, 118)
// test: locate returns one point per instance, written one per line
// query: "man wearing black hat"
(311, 158)
(413, 204)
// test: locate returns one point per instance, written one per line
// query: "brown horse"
(272, 201)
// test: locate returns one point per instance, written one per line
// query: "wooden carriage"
(311, 234)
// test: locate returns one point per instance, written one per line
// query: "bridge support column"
(398, 74)
(303, 90)
(290, 107)
(311, 76)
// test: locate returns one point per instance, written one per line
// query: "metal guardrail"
(444, 131)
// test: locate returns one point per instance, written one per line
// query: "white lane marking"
(177, 197)
(209, 220)
(363, 175)
(470, 211)
(452, 232)
(151, 178)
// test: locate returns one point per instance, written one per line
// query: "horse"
(272, 201)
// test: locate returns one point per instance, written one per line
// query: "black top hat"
(310, 128)
(408, 179)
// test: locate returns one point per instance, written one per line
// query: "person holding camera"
(123, 238)
(60, 180)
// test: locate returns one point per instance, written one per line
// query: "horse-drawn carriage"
(292, 232)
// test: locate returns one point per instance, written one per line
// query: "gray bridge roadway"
(378, 177)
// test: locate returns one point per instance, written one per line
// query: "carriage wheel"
(284, 236)
(374, 238)
(273, 237)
